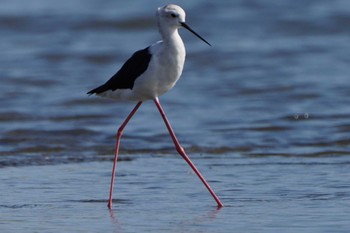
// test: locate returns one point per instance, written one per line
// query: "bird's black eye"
(173, 15)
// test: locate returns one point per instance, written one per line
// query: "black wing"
(136, 65)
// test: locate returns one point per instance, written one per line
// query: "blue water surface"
(264, 114)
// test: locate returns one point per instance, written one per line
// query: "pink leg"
(119, 135)
(182, 152)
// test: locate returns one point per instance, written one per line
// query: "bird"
(148, 74)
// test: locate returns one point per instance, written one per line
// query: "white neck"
(170, 35)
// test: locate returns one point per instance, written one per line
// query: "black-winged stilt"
(149, 73)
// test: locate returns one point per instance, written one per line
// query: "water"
(264, 114)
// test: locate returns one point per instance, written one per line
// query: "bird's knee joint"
(180, 149)
(120, 132)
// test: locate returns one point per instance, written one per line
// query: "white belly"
(164, 70)
(162, 73)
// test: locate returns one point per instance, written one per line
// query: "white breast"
(164, 70)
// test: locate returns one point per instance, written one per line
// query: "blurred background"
(264, 114)
(275, 81)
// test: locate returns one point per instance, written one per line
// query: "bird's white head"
(170, 18)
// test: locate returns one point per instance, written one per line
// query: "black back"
(125, 78)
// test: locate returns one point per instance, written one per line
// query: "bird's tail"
(97, 90)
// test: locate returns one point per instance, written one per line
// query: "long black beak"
(195, 33)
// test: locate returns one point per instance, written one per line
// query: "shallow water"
(264, 114)
(272, 194)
